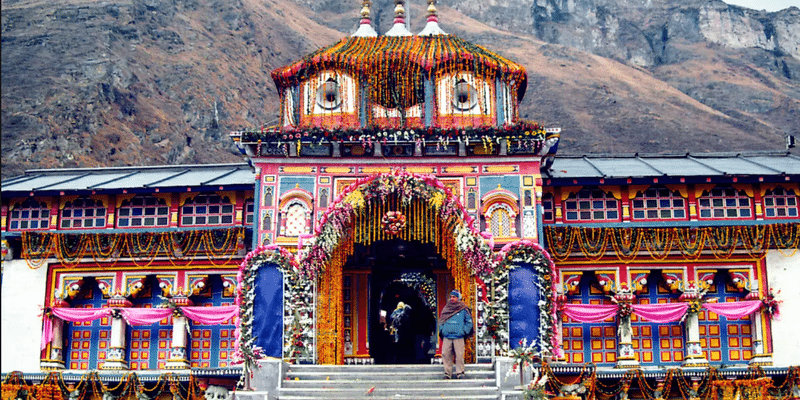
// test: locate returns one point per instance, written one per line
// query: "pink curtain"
(590, 312)
(210, 315)
(81, 314)
(736, 309)
(661, 313)
(144, 316)
(47, 332)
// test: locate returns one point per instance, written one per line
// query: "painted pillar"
(693, 356)
(54, 360)
(178, 356)
(117, 347)
(117, 352)
(625, 355)
(760, 357)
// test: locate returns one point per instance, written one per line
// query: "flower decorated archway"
(397, 204)
(383, 207)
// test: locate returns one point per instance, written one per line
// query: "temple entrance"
(398, 271)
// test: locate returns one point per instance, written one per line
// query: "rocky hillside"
(142, 82)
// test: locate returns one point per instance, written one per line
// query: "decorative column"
(759, 358)
(54, 359)
(693, 355)
(625, 355)
(116, 358)
(178, 358)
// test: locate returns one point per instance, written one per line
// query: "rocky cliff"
(133, 82)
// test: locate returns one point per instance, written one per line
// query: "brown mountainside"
(144, 82)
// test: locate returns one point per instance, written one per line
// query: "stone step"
(418, 382)
(380, 391)
(347, 383)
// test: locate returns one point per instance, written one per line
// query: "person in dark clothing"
(455, 323)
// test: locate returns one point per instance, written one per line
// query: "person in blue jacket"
(455, 324)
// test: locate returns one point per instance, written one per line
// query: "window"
(725, 203)
(249, 209)
(548, 206)
(296, 222)
(268, 196)
(501, 223)
(29, 215)
(143, 211)
(779, 203)
(207, 210)
(659, 203)
(591, 205)
(83, 213)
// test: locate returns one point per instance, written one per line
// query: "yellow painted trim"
(747, 188)
(500, 168)
(298, 170)
(374, 170)
(338, 170)
(458, 170)
(421, 170)
(682, 189)
(472, 181)
(634, 190)
(527, 180)
(699, 189)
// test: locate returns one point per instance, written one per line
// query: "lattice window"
(548, 207)
(725, 340)
(780, 203)
(143, 211)
(212, 346)
(323, 198)
(87, 342)
(149, 345)
(83, 213)
(591, 205)
(207, 210)
(249, 211)
(725, 203)
(659, 203)
(501, 223)
(653, 343)
(28, 216)
(296, 220)
(584, 342)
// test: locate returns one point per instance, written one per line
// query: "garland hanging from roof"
(355, 199)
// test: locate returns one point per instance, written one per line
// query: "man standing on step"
(455, 323)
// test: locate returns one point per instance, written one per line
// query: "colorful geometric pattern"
(29, 215)
(83, 213)
(143, 211)
(585, 342)
(87, 343)
(149, 345)
(780, 203)
(724, 340)
(725, 203)
(591, 205)
(659, 203)
(212, 346)
(656, 344)
(207, 210)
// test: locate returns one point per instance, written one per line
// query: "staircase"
(417, 382)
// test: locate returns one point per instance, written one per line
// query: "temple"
(400, 170)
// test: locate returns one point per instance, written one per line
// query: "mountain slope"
(141, 82)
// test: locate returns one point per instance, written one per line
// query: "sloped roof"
(399, 63)
(686, 165)
(131, 178)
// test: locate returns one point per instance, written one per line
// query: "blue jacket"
(458, 326)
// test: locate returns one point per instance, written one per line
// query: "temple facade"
(400, 171)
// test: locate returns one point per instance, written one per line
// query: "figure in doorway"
(455, 324)
(400, 322)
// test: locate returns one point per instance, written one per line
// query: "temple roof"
(402, 59)
(684, 165)
(78, 179)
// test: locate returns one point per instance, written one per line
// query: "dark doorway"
(398, 268)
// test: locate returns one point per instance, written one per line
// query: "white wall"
(22, 296)
(783, 273)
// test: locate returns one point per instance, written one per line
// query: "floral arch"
(359, 215)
